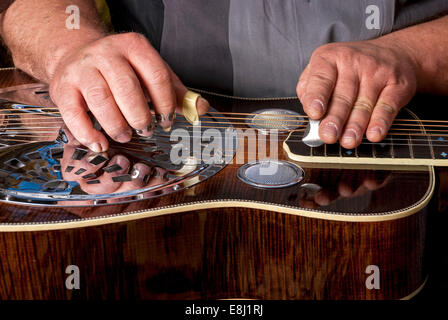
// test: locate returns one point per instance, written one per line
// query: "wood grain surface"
(225, 252)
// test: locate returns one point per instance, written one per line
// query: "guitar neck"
(410, 142)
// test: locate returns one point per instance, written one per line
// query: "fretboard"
(410, 142)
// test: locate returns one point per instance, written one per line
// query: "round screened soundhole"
(270, 174)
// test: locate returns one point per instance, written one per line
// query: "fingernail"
(202, 104)
(148, 176)
(147, 132)
(151, 174)
(124, 137)
(166, 121)
(317, 108)
(96, 147)
(123, 162)
(135, 173)
(350, 136)
(156, 173)
(330, 130)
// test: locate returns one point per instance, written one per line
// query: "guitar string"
(396, 131)
(228, 123)
(260, 122)
(215, 122)
(392, 132)
(121, 146)
(272, 116)
(243, 138)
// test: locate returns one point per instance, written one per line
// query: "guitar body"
(344, 232)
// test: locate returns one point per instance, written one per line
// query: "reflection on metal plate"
(52, 170)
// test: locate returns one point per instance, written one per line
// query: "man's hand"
(111, 77)
(358, 87)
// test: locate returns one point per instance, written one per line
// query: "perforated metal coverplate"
(270, 174)
(62, 172)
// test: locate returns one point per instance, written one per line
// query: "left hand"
(359, 87)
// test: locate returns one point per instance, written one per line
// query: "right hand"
(111, 77)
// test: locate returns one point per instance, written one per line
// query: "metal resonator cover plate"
(36, 169)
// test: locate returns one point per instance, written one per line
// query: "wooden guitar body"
(222, 238)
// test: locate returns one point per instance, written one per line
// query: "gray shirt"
(257, 48)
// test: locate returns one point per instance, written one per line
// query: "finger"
(360, 115)
(325, 197)
(158, 177)
(202, 105)
(345, 189)
(156, 77)
(80, 170)
(377, 180)
(321, 82)
(106, 184)
(141, 173)
(390, 101)
(101, 103)
(128, 95)
(73, 110)
(301, 84)
(340, 106)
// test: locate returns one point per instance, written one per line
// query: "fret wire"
(392, 148)
(411, 147)
(431, 148)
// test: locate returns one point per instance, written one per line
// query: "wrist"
(56, 54)
(400, 44)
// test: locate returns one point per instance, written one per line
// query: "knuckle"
(127, 86)
(387, 109)
(363, 106)
(164, 107)
(301, 85)
(134, 36)
(134, 39)
(96, 51)
(323, 80)
(394, 74)
(53, 90)
(71, 113)
(344, 53)
(160, 77)
(323, 49)
(97, 96)
(342, 99)
(370, 63)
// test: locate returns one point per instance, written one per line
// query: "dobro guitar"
(250, 210)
